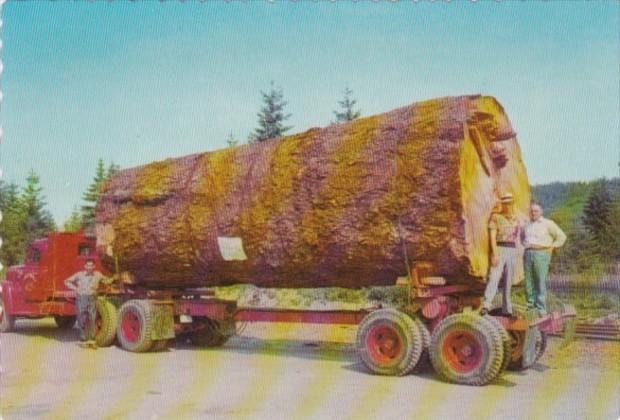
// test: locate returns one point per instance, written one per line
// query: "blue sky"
(137, 82)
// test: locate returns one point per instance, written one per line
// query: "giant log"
(349, 205)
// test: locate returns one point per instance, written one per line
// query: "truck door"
(36, 288)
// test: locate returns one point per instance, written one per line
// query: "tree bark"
(347, 205)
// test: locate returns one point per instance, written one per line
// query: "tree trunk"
(345, 205)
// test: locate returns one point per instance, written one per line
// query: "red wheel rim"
(384, 344)
(519, 339)
(130, 325)
(463, 351)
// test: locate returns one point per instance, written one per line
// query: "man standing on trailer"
(540, 237)
(85, 284)
(504, 232)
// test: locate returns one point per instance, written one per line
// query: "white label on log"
(231, 248)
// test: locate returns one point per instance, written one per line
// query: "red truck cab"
(37, 289)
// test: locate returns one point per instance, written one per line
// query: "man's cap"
(507, 198)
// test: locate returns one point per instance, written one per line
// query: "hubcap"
(384, 344)
(130, 326)
(463, 351)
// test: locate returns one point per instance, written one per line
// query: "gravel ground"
(285, 371)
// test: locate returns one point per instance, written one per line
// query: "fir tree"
(27, 219)
(596, 214)
(74, 222)
(271, 116)
(347, 105)
(613, 229)
(4, 191)
(231, 141)
(24, 218)
(37, 220)
(12, 226)
(91, 196)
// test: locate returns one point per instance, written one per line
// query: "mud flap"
(163, 322)
(529, 346)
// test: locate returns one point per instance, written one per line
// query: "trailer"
(440, 323)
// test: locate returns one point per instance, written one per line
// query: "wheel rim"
(384, 344)
(462, 351)
(130, 325)
(519, 339)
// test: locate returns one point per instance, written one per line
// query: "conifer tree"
(271, 116)
(596, 214)
(613, 229)
(38, 221)
(347, 108)
(91, 196)
(231, 141)
(11, 227)
(74, 222)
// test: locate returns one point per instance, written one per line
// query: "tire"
(506, 340)
(467, 349)
(135, 324)
(7, 322)
(213, 333)
(65, 322)
(106, 322)
(425, 361)
(389, 342)
(516, 362)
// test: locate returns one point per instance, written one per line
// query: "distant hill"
(564, 202)
(558, 194)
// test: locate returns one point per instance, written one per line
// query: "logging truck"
(401, 198)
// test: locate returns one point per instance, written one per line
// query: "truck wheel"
(506, 340)
(7, 322)
(135, 326)
(106, 322)
(65, 322)
(389, 342)
(467, 349)
(213, 333)
(516, 359)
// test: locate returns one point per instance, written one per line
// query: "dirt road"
(280, 371)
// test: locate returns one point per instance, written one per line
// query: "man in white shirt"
(540, 237)
(85, 284)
